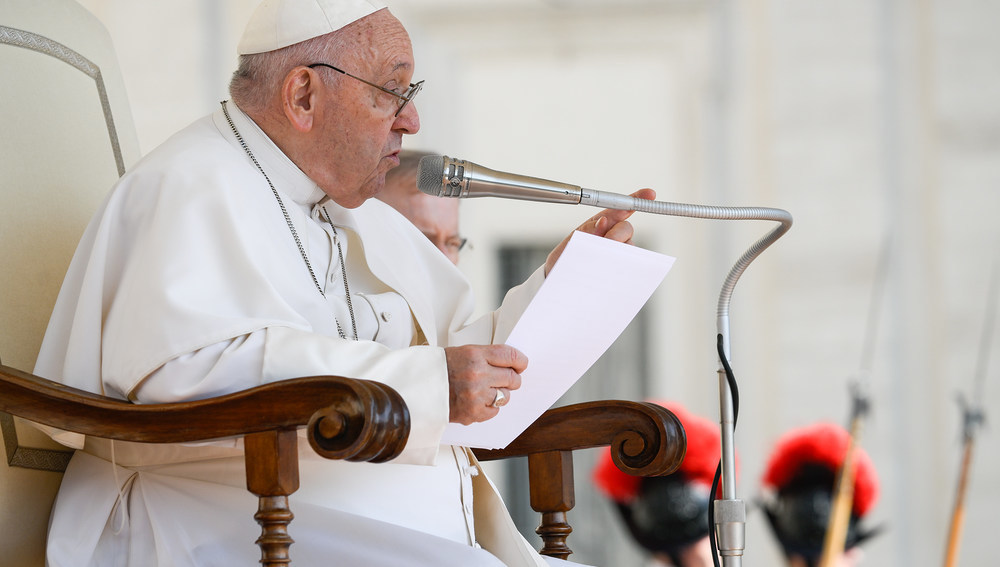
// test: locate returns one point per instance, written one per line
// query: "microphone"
(443, 176)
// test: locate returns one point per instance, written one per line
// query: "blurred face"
(357, 134)
(436, 217)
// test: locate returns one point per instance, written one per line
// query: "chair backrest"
(66, 134)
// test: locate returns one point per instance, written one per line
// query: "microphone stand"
(729, 511)
(449, 177)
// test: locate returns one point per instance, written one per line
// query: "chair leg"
(272, 463)
(552, 494)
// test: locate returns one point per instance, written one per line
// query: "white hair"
(258, 77)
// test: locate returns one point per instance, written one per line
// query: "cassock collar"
(286, 176)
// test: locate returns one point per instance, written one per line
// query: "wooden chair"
(351, 419)
(67, 135)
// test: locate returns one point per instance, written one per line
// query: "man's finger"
(622, 232)
(505, 356)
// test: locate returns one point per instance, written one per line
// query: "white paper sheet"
(588, 298)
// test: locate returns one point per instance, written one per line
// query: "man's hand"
(475, 373)
(608, 223)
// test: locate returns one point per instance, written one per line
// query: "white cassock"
(189, 284)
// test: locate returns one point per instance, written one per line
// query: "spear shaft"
(972, 418)
(958, 512)
(842, 499)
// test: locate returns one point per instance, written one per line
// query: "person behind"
(798, 487)
(668, 515)
(436, 217)
(247, 249)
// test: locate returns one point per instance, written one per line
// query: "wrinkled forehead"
(378, 41)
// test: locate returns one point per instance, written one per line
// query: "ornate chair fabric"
(67, 135)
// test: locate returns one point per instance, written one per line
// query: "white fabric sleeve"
(217, 369)
(514, 303)
(419, 374)
(495, 327)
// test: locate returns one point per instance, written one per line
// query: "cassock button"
(386, 316)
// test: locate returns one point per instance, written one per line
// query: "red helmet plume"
(822, 444)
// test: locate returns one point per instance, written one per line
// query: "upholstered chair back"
(66, 134)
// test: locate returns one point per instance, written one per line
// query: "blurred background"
(875, 123)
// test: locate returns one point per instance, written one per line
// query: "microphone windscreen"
(430, 172)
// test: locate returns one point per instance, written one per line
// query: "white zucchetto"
(280, 23)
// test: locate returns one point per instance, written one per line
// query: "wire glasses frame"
(457, 244)
(404, 98)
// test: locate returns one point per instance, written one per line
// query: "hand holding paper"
(588, 298)
(477, 369)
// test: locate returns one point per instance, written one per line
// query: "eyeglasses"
(457, 244)
(451, 245)
(403, 98)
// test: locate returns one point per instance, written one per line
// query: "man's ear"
(298, 97)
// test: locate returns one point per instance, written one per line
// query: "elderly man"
(436, 217)
(246, 250)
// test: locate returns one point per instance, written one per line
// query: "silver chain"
(295, 234)
(343, 272)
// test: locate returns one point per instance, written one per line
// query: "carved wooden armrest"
(349, 419)
(346, 418)
(645, 440)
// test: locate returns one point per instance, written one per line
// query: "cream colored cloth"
(496, 530)
(280, 23)
(188, 284)
(170, 501)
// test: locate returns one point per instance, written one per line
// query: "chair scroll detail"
(645, 440)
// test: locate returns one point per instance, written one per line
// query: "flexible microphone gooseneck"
(449, 177)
